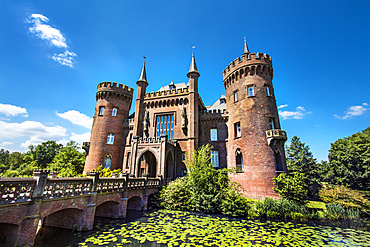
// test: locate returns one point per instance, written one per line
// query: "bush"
(281, 209)
(234, 204)
(176, 195)
(106, 172)
(335, 211)
(291, 186)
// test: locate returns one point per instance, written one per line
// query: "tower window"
(213, 134)
(101, 110)
(236, 96)
(107, 161)
(267, 91)
(110, 139)
(165, 126)
(250, 91)
(214, 158)
(239, 159)
(128, 160)
(114, 112)
(272, 125)
(237, 130)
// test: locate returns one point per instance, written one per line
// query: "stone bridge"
(27, 204)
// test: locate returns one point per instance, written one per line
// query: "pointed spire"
(143, 73)
(246, 50)
(193, 65)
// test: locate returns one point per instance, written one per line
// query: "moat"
(178, 228)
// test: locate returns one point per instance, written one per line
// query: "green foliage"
(349, 161)
(335, 211)
(234, 204)
(281, 209)
(44, 153)
(291, 186)
(176, 195)
(348, 198)
(106, 172)
(69, 161)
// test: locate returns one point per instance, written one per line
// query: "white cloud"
(35, 132)
(46, 32)
(299, 113)
(66, 58)
(282, 106)
(356, 110)
(12, 110)
(77, 118)
(80, 138)
(4, 144)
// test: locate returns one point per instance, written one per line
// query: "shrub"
(234, 204)
(106, 172)
(291, 186)
(281, 209)
(176, 195)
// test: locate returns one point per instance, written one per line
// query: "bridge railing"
(41, 186)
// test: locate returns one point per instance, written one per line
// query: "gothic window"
(237, 130)
(165, 125)
(267, 91)
(101, 110)
(107, 161)
(214, 158)
(110, 139)
(250, 91)
(272, 125)
(213, 134)
(239, 159)
(236, 96)
(114, 112)
(128, 160)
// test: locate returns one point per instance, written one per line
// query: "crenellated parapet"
(214, 115)
(248, 64)
(166, 93)
(115, 90)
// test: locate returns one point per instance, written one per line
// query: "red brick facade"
(172, 121)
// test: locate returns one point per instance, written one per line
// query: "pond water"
(177, 228)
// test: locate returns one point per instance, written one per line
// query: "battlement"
(167, 93)
(214, 115)
(246, 60)
(114, 87)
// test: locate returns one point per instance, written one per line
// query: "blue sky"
(54, 53)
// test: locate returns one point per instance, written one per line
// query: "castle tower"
(113, 103)
(139, 108)
(255, 141)
(193, 133)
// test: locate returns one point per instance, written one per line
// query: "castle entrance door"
(148, 165)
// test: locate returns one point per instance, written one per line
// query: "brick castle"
(243, 127)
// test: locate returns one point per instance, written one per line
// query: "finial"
(246, 50)
(143, 72)
(193, 65)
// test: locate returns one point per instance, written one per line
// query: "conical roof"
(193, 65)
(143, 73)
(246, 50)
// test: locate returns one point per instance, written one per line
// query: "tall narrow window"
(267, 91)
(110, 139)
(237, 130)
(165, 126)
(239, 160)
(107, 161)
(114, 112)
(214, 158)
(236, 96)
(213, 134)
(250, 91)
(128, 160)
(101, 110)
(272, 125)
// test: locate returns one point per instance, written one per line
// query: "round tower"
(256, 142)
(113, 103)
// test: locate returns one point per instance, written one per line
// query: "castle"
(243, 127)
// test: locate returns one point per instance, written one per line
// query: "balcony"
(275, 135)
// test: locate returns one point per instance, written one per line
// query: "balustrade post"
(126, 176)
(95, 177)
(41, 178)
(160, 180)
(145, 176)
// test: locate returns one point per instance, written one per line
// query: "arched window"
(278, 164)
(107, 161)
(239, 159)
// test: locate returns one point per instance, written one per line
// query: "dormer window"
(222, 101)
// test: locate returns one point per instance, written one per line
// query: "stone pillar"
(86, 222)
(41, 178)
(134, 167)
(162, 155)
(27, 230)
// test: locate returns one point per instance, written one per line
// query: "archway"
(8, 234)
(148, 165)
(134, 203)
(107, 209)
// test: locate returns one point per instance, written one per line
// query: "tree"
(349, 161)
(69, 161)
(300, 160)
(291, 186)
(45, 152)
(4, 160)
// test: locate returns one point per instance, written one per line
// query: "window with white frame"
(214, 158)
(250, 91)
(237, 130)
(267, 91)
(213, 134)
(165, 125)
(110, 139)
(236, 96)
(272, 125)
(114, 112)
(101, 110)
